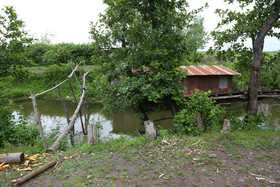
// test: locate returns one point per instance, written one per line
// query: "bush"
(249, 122)
(185, 120)
(13, 132)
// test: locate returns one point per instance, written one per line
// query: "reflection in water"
(52, 113)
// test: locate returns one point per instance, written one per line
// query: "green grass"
(110, 159)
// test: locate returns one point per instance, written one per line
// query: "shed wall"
(206, 83)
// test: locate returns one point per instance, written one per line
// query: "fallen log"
(69, 127)
(11, 157)
(33, 173)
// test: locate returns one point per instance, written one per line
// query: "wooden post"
(11, 157)
(150, 129)
(200, 124)
(226, 126)
(92, 134)
(38, 120)
(67, 115)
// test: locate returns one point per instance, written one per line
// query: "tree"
(14, 42)
(255, 24)
(139, 46)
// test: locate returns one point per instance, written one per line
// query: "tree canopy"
(140, 46)
(14, 42)
(250, 23)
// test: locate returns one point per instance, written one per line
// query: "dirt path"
(167, 166)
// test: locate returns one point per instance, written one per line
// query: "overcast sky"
(69, 20)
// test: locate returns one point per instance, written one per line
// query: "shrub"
(185, 120)
(249, 122)
(14, 132)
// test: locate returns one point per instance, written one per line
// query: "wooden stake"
(92, 134)
(150, 129)
(38, 120)
(226, 126)
(200, 124)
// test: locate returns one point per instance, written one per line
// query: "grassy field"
(237, 159)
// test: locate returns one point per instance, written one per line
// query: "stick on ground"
(33, 173)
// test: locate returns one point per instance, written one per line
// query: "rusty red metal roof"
(208, 70)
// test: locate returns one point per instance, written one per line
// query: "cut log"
(150, 129)
(68, 128)
(200, 124)
(33, 174)
(226, 126)
(11, 157)
(92, 134)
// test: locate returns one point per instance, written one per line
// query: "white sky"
(69, 20)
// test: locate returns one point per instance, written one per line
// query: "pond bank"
(213, 159)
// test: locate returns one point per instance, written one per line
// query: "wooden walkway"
(243, 95)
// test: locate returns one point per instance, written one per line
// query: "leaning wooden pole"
(68, 128)
(66, 113)
(38, 120)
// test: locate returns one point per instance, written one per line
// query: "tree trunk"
(11, 157)
(256, 65)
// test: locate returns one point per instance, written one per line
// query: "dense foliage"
(12, 131)
(48, 54)
(139, 46)
(14, 43)
(186, 120)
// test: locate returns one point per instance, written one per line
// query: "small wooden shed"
(207, 77)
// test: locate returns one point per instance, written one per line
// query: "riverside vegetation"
(246, 155)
